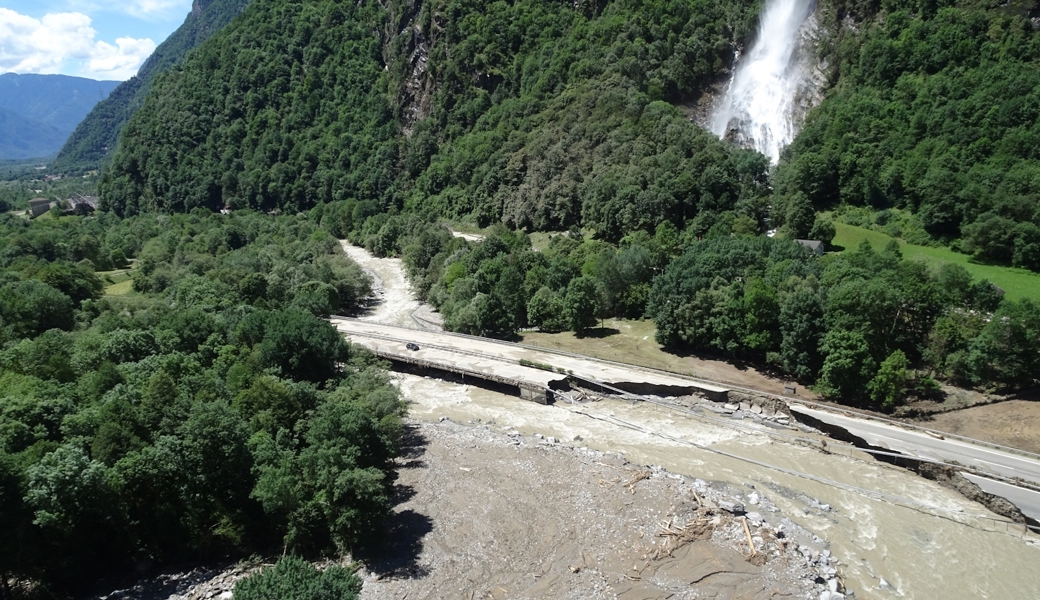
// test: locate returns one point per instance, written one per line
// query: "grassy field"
(540, 240)
(1016, 283)
(119, 282)
(632, 342)
(120, 289)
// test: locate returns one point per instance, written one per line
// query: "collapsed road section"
(541, 376)
(1010, 474)
(513, 364)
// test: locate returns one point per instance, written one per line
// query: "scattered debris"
(631, 484)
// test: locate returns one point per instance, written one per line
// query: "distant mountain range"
(97, 135)
(39, 112)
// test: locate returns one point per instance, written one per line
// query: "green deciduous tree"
(32, 307)
(1007, 350)
(545, 311)
(887, 386)
(801, 330)
(343, 463)
(301, 346)
(580, 304)
(847, 365)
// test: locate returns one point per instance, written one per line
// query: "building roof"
(814, 244)
(39, 201)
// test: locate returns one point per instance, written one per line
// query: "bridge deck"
(502, 361)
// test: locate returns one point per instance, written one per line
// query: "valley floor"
(488, 515)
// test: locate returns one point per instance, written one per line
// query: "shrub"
(293, 578)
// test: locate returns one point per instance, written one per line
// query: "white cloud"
(125, 57)
(145, 9)
(64, 43)
(151, 7)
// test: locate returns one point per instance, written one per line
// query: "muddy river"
(896, 535)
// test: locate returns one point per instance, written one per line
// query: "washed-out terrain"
(503, 498)
(891, 533)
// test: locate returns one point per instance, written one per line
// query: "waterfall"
(760, 108)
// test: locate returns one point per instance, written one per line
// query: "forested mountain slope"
(544, 115)
(540, 113)
(935, 107)
(96, 136)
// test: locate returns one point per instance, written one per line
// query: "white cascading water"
(759, 108)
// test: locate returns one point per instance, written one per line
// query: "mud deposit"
(892, 533)
(493, 515)
(1015, 423)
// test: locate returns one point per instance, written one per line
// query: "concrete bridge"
(538, 375)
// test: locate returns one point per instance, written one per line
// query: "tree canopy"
(207, 412)
(935, 108)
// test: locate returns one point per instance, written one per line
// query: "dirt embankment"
(1014, 423)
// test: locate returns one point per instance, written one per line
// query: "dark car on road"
(412, 346)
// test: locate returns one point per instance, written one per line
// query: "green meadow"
(1016, 283)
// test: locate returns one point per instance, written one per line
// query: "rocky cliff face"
(406, 49)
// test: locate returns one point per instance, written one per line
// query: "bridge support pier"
(541, 396)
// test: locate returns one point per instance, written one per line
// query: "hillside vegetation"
(96, 136)
(535, 112)
(935, 107)
(539, 115)
(210, 413)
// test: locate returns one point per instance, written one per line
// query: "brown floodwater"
(924, 540)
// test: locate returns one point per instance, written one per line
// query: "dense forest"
(547, 116)
(96, 137)
(936, 109)
(211, 413)
(866, 327)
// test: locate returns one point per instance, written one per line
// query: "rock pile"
(202, 583)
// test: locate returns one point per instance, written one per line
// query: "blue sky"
(99, 39)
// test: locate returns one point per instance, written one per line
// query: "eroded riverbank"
(897, 535)
(882, 522)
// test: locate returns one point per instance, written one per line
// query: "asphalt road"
(502, 359)
(474, 353)
(1027, 501)
(916, 443)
